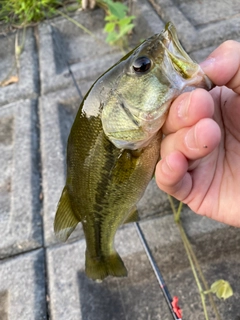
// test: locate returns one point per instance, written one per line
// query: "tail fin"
(100, 268)
(65, 221)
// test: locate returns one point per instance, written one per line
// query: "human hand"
(200, 163)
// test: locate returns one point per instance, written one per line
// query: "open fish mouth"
(190, 72)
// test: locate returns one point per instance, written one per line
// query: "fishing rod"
(171, 302)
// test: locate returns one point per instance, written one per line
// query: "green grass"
(23, 12)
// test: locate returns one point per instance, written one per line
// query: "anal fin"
(65, 221)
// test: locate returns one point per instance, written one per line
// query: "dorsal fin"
(65, 221)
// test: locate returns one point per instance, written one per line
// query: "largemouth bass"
(114, 144)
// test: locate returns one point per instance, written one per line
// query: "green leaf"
(109, 27)
(110, 18)
(125, 20)
(112, 37)
(222, 289)
(116, 8)
(125, 29)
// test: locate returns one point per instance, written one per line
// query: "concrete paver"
(201, 24)
(22, 290)
(57, 111)
(64, 45)
(138, 296)
(20, 219)
(33, 135)
(27, 86)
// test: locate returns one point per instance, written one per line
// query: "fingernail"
(183, 106)
(190, 139)
(207, 63)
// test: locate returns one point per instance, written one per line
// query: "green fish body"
(114, 145)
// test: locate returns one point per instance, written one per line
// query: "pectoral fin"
(65, 221)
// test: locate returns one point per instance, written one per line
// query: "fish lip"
(177, 56)
(170, 35)
(189, 71)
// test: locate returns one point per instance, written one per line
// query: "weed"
(118, 25)
(24, 12)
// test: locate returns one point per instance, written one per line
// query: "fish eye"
(141, 64)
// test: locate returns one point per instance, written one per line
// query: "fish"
(114, 145)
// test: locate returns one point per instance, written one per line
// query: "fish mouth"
(190, 72)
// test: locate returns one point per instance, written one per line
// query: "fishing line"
(157, 272)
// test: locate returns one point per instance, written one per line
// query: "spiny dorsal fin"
(65, 221)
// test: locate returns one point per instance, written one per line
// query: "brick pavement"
(43, 279)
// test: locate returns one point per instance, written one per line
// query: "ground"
(43, 279)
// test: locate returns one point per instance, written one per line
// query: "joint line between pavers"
(60, 50)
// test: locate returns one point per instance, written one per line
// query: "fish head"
(152, 76)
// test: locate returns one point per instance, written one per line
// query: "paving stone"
(147, 21)
(27, 86)
(20, 219)
(138, 296)
(217, 247)
(210, 239)
(64, 50)
(183, 285)
(64, 47)
(22, 287)
(202, 23)
(203, 12)
(57, 112)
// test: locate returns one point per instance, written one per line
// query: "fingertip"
(171, 169)
(172, 176)
(223, 64)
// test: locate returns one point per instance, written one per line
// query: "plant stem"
(193, 256)
(206, 287)
(186, 246)
(19, 48)
(182, 232)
